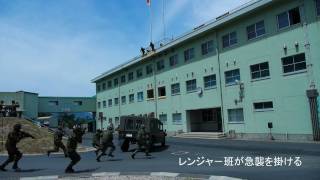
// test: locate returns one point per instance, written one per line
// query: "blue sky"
(55, 47)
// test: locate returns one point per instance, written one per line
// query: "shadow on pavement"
(112, 160)
(86, 170)
(30, 170)
(159, 148)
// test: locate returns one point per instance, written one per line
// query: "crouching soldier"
(107, 142)
(57, 141)
(72, 144)
(11, 145)
(96, 141)
(143, 141)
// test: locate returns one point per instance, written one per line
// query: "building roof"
(225, 18)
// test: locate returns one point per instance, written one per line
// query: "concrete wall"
(67, 104)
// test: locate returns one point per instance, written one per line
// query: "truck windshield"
(130, 124)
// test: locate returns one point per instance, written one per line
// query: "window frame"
(131, 98)
(123, 79)
(174, 60)
(139, 73)
(237, 115)
(188, 90)
(294, 64)
(287, 12)
(116, 101)
(140, 96)
(104, 86)
(176, 88)
(149, 69)
(207, 47)
(317, 7)
(109, 102)
(130, 76)
(228, 35)
(259, 71)
(166, 118)
(123, 99)
(231, 83)
(263, 108)
(115, 82)
(150, 98)
(174, 121)
(104, 104)
(160, 65)
(160, 89)
(256, 30)
(211, 86)
(188, 54)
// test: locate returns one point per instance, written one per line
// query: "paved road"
(167, 160)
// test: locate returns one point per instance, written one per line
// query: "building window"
(110, 102)
(163, 118)
(150, 94)
(207, 47)
(103, 86)
(294, 63)
(98, 88)
(259, 71)
(263, 106)
(99, 105)
(115, 82)
(176, 118)
(109, 84)
(173, 60)
(53, 103)
(235, 115)
(160, 65)
(188, 54)
(191, 85)
(77, 103)
(123, 79)
(162, 91)
(104, 103)
(289, 18)
(123, 100)
(140, 96)
(207, 115)
(229, 39)
(130, 76)
(149, 69)
(116, 101)
(232, 76)
(209, 81)
(256, 30)
(175, 89)
(131, 98)
(318, 7)
(139, 73)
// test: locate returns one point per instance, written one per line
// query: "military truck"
(129, 127)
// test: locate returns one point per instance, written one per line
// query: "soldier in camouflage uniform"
(96, 141)
(11, 145)
(58, 142)
(107, 142)
(143, 141)
(72, 144)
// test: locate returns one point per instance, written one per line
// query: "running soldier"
(143, 141)
(57, 141)
(11, 145)
(72, 144)
(96, 141)
(107, 142)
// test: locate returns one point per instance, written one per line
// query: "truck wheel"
(125, 146)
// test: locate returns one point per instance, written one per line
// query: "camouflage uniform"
(96, 140)
(11, 145)
(72, 144)
(143, 141)
(58, 142)
(107, 142)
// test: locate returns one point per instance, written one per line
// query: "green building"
(30, 104)
(254, 65)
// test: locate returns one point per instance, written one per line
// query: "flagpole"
(150, 21)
